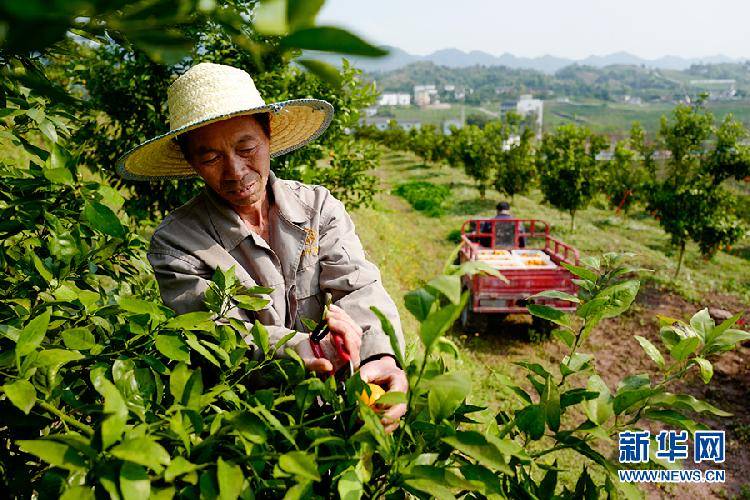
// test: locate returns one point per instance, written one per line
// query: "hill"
(456, 58)
(609, 83)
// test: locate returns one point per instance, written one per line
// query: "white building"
(527, 105)
(425, 95)
(394, 99)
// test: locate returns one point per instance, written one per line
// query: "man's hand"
(341, 324)
(390, 377)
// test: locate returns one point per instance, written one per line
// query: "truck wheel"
(468, 318)
(542, 327)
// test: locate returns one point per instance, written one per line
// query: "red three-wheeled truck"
(523, 251)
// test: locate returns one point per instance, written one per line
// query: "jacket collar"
(232, 230)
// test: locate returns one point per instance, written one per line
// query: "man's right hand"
(341, 324)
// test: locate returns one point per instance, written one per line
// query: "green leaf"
(531, 420)
(627, 398)
(59, 176)
(330, 39)
(651, 350)
(78, 493)
(702, 323)
(447, 392)
(41, 269)
(728, 339)
(197, 320)
(685, 402)
(350, 486)
(387, 327)
(54, 453)
(173, 347)
(22, 394)
(270, 17)
(186, 386)
(114, 406)
(33, 333)
(672, 418)
(144, 451)
(134, 482)
(438, 322)
(302, 13)
(260, 337)
(549, 313)
(371, 423)
(706, 368)
(299, 464)
(577, 395)
(138, 306)
(177, 467)
(56, 357)
(476, 446)
(448, 285)
(685, 348)
(581, 272)
(326, 72)
(566, 336)
(192, 341)
(250, 427)
(251, 303)
(79, 339)
(599, 409)
(103, 219)
(551, 398)
(618, 298)
(555, 294)
(419, 302)
(230, 480)
(719, 329)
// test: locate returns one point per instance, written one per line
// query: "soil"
(618, 355)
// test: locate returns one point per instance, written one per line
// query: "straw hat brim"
(294, 123)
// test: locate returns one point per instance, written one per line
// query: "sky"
(564, 28)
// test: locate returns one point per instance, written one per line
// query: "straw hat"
(208, 93)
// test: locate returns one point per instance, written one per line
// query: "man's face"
(233, 158)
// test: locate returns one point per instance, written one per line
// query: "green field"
(616, 119)
(601, 117)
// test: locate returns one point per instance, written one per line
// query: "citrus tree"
(688, 198)
(516, 170)
(625, 175)
(567, 167)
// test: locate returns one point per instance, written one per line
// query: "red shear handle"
(337, 340)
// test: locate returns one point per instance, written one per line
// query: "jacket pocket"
(309, 301)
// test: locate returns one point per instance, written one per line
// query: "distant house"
(425, 95)
(381, 123)
(394, 99)
(527, 105)
(507, 106)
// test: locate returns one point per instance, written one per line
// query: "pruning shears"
(337, 339)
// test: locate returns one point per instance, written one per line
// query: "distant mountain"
(455, 58)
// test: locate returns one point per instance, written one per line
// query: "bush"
(424, 196)
(454, 236)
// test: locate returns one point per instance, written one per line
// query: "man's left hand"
(390, 377)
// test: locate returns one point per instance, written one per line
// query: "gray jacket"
(313, 250)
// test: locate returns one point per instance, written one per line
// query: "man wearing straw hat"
(294, 238)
